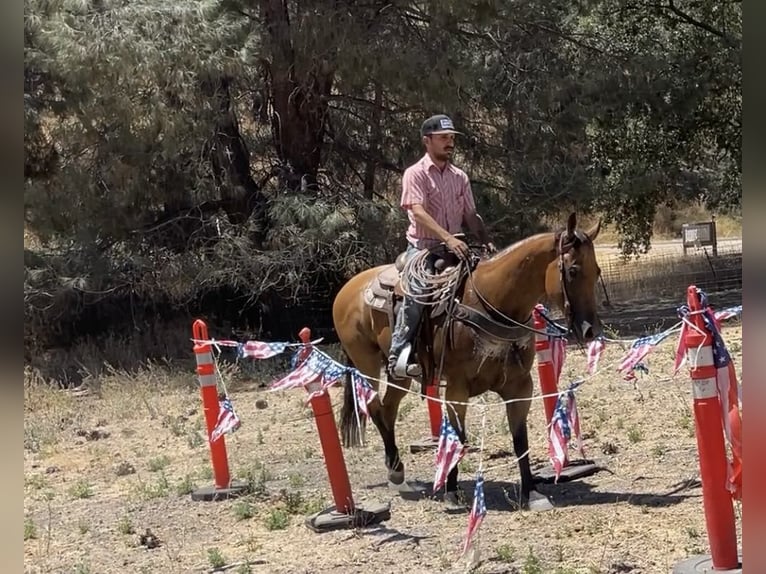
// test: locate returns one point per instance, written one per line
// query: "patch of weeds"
(157, 489)
(186, 485)
(308, 452)
(256, 477)
(253, 545)
(125, 526)
(505, 553)
(244, 568)
(35, 482)
(30, 530)
(405, 409)
(532, 564)
(215, 558)
(467, 466)
(313, 506)
(175, 424)
(259, 437)
(81, 489)
(296, 480)
(243, 510)
(159, 463)
(620, 423)
(277, 519)
(194, 439)
(294, 502)
(82, 568)
(83, 527)
(206, 473)
(658, 450)
(686, 422)
(692, 532)
(635, 434)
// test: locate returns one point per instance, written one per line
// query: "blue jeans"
(410, 312)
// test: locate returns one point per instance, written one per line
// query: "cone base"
(211, 493)
(572, 471)
(702, 564)
(331, 519)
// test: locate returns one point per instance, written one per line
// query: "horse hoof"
(405, 490)
(538, 502)
(395, 477)
(452, 503)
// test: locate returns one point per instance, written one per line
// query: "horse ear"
(571, 224)
(592, 233)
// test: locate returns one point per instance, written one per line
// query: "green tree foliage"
(256, 146)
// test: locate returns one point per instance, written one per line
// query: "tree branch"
(698, 23)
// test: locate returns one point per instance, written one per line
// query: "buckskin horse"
(487, 346)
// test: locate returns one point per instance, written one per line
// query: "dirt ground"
(105, 469)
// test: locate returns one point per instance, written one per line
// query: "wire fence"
(645, 293)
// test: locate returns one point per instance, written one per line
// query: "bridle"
(565, 244)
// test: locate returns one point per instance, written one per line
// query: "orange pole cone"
(717, 501)
(329, 438)
(223, 485)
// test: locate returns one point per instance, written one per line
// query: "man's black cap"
(439, 124)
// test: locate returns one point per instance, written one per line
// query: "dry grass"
(103, 468)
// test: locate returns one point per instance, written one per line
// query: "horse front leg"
(386, 423)
(517, 412)
(456, 414)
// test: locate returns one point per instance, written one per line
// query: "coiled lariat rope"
(436, 287)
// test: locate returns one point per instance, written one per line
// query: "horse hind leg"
(383, 411)
(517, 412)
(387, 422)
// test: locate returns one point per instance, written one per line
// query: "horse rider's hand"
(490, 247)
(458, 247)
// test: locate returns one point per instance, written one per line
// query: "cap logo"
(446, 124)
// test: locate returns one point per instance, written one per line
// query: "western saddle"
(384, 293)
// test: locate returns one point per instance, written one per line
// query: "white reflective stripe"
(544, 356)
(704, 388)
(207, 381)
(539, 337)
(700, 357)
(204, 358)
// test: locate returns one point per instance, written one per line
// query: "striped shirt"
(445, 195)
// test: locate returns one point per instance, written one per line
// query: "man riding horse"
(438, 199)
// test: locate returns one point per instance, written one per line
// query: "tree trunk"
(375, 141)
(230, 159)
(299, 102)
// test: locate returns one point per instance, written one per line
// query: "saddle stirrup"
(402, 369)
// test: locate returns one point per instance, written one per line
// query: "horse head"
(570, 281)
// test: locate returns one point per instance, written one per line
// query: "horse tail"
(352, 423)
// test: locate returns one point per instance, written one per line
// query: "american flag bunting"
(595, 348)
(227, 422)
(260, 349)
(449, 452)
(478, 511)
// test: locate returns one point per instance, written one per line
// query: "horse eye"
(572, 271)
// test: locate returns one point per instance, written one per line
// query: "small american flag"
(728, 313)
(564, 423)
(595, 348)
(300, 377)
(364, 392)
(726, 381)
(227, 422)
(478, 511)
(449, 452)
(640, 348)
(558, 346)
(260, 349)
